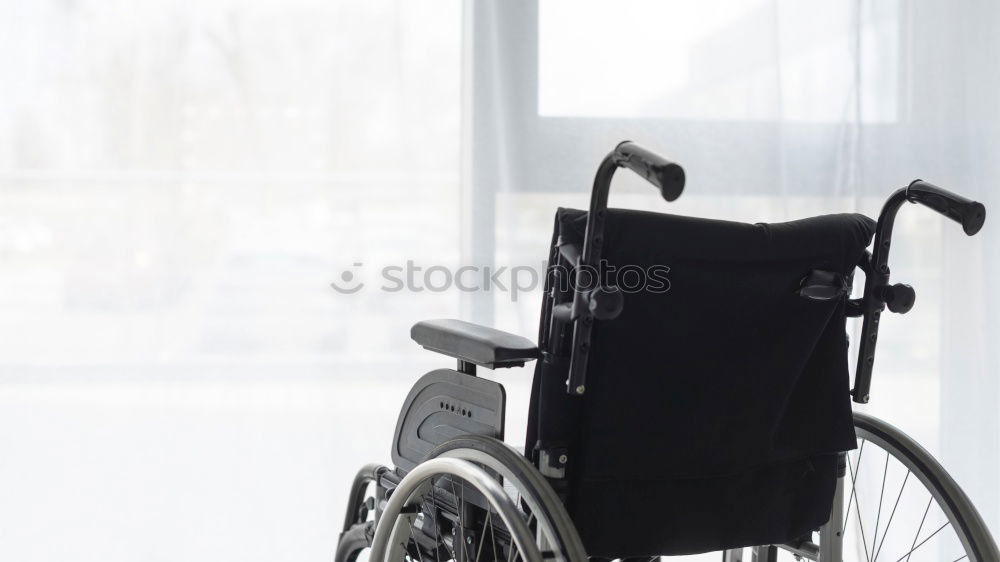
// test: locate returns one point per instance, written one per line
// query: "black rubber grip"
(970, 214)
(657, 170)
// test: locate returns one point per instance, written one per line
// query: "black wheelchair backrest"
(722, 385)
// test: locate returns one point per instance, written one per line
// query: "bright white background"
(181, 181)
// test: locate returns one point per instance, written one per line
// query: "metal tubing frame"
(970, 214)
(590, 257)
(368, 474)
(872, 304)
(831, 535)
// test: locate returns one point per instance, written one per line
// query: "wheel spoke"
(881, 496)
(513, 547)
(857, 506)
(460, 508)
(493, 541)
(438, 542)
(917, 536)
(482, 535)
(854, 479)
(474, 552)
(910, 553)
(461, 513)
(893, 514)
(413, 538)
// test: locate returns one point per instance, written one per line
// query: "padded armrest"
(493, 349)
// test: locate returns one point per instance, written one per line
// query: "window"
(718, 60)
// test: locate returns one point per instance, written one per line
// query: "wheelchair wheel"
(902, 504)
(525, 484)
(448, 516)
(895, 503)
(452, 509)
(474, 498)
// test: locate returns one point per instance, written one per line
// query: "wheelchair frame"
(567, 338)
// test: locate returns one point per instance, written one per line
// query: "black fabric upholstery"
(477, 344)
(714, 411)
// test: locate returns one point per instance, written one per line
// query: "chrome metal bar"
(831, 535)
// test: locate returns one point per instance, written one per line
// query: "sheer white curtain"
(180, 182)
(777, 110)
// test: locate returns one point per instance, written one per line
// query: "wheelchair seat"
(486, 347)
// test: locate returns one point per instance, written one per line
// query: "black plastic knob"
(605, 303)
(899, 298)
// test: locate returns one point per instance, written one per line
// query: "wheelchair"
(692, 394)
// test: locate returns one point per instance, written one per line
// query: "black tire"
(353, 542)
(532, 484)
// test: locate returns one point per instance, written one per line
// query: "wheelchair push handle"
(657, 170)
(970, 214)
(899, 298)
(606, 303)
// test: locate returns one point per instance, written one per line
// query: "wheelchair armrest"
(493, 349)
